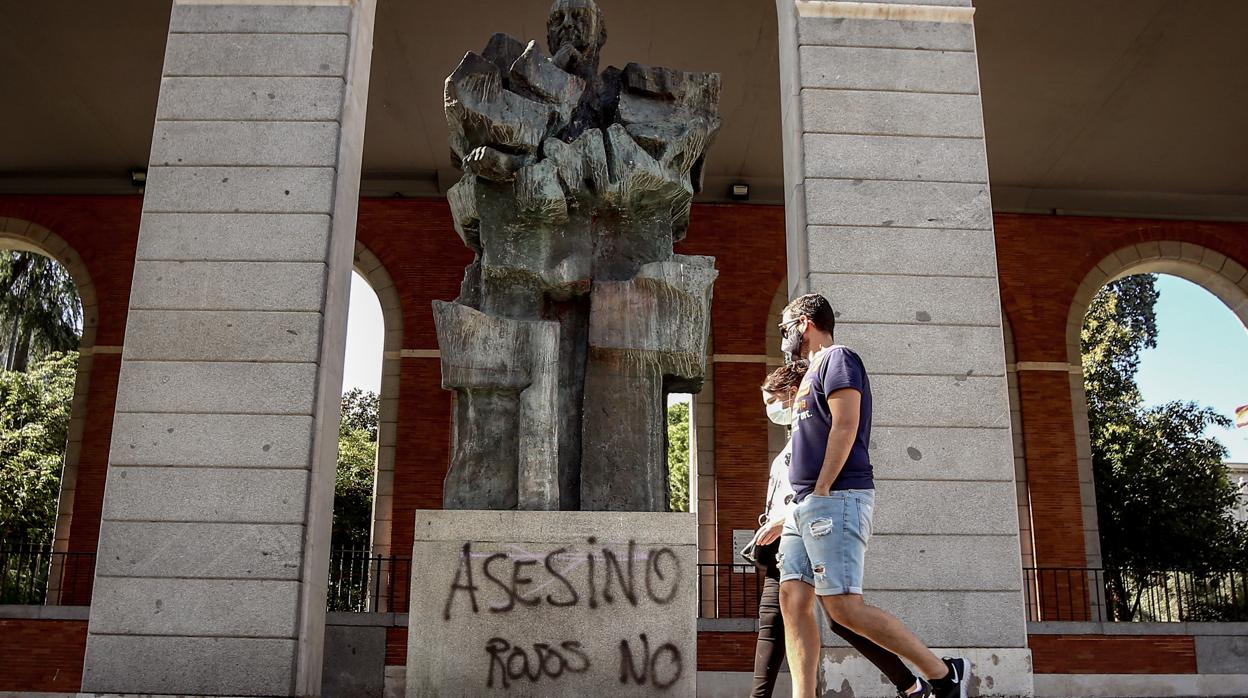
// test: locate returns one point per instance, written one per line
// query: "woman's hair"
(787, 377)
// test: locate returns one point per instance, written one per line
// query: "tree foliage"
(1163, 493)
(34, 426)
(678, 456)
(357, 460)
(40, 312)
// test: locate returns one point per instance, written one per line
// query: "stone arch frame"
(1213, 271)
(17, 234)
(374, 272)
(776, 435)
(1026, 538)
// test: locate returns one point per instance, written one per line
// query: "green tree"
(360, 410)
(1163, 492)
(357, 460)
(34, 426)
(40, 312)
(678, 456)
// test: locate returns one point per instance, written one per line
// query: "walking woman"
(779, 390)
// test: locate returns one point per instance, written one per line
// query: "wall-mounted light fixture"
(740, 192)
(138, 178)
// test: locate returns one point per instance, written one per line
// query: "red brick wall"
(416, 242)
(396, 646)
(1113, 654)
(748, 243)
(42, 655)
(726, 651)
(423, 451)
(1042, 260)
(1053, 470)
(103, 231)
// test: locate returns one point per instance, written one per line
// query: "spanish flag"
(1241, 416)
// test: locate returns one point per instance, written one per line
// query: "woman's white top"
(779, 492)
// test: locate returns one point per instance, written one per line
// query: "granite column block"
(215, 527)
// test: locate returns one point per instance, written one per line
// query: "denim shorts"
(825, 539)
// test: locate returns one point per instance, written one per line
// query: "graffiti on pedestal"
(596, 577)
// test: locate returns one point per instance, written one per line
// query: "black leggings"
(769, 651)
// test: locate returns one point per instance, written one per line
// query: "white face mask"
(779, 414)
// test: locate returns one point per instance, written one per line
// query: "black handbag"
(761, 556)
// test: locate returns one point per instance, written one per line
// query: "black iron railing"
(34, 574)
(1142, 596)
(362, 582)
(729, 591)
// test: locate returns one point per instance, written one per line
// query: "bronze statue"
(576, 318)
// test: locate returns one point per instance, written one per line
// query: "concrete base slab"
(396, 682)
(1139, 685)
(846, 674)
(543, 603)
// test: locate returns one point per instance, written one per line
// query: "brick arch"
(17, 234)
(1205, 267)
(776, 435)
(374, 272)
(1202, 266)
(1027, 543)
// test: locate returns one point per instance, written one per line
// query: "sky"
(1201, 354)
(365, 338)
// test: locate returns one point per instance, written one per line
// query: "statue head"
(575, 34)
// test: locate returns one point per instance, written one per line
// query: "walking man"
(824, 543)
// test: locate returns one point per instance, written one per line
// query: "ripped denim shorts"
(825, 541)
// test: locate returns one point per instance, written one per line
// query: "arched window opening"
(351, 560)
(680, 485)
(41, 333)
(1162, 372)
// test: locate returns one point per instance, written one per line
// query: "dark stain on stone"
(287, 192)
(267, 447)
(272, 96)
(169, 430)
(291, 332)
(888, 223)
(914, 453)
(224, 180)
(923, 316)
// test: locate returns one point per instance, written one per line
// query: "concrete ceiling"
(1113, 106)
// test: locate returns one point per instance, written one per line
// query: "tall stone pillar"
(889, 216)
(213, 551)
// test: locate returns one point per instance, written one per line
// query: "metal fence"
(1142, 596)
(365, 583)
(729, 591)
(33, 574)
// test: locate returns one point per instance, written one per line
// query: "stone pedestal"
(549, 603)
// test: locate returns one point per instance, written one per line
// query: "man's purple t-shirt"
(835, 368)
